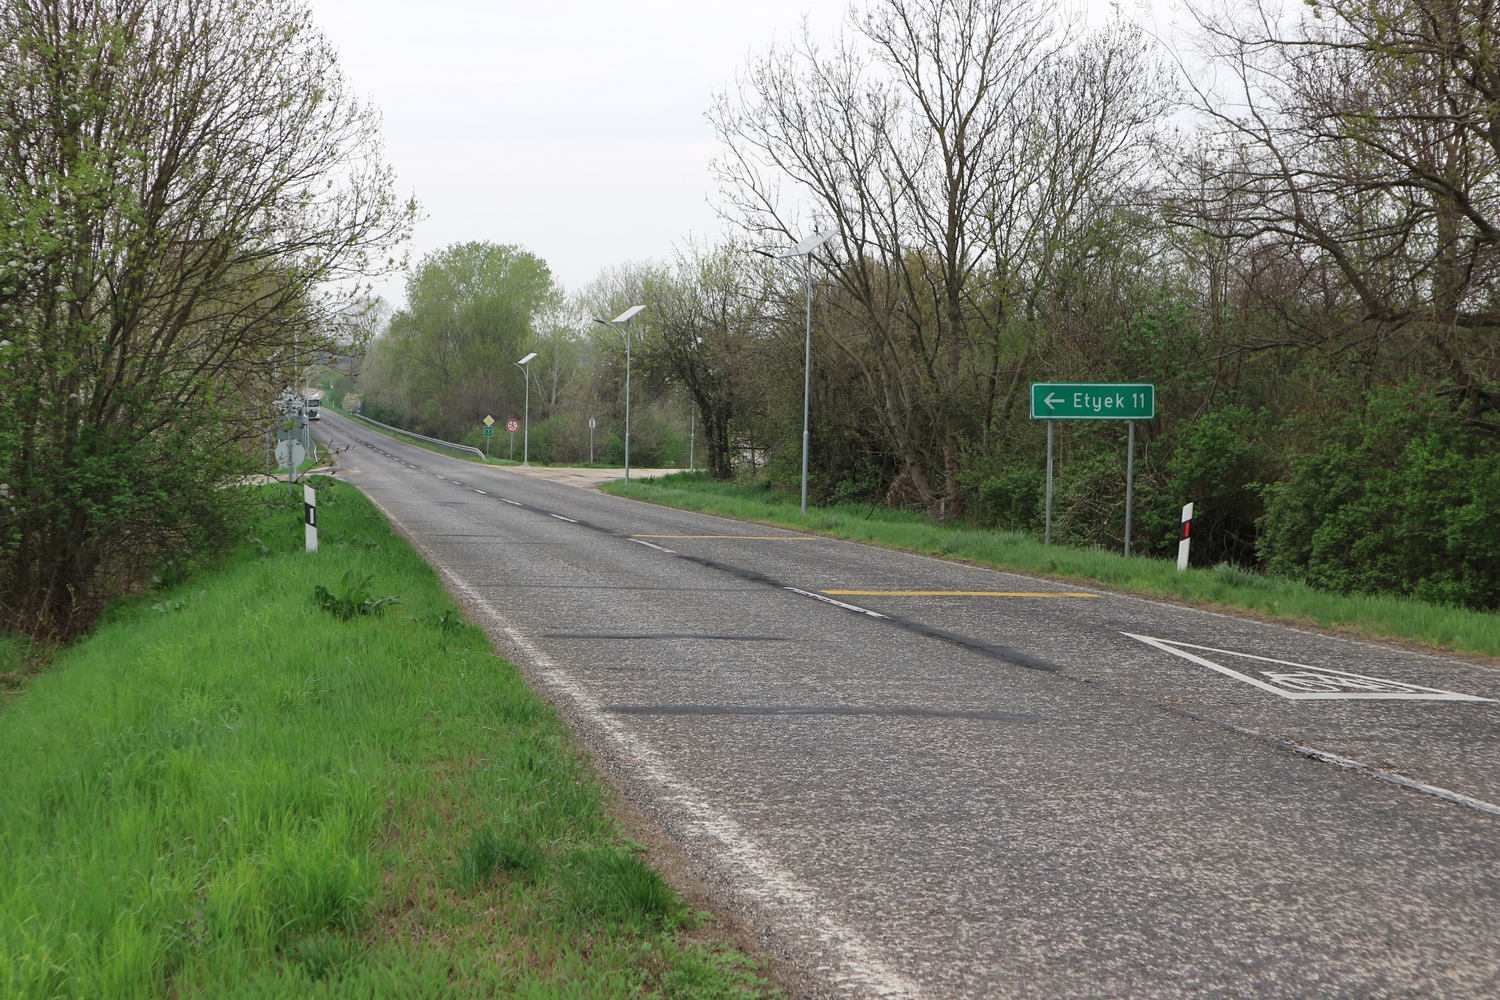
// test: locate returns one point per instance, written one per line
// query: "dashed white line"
(481, 493)
(838, 604)
(652, 545)
(561, 518)
(512, 502)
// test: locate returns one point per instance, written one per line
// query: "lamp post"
(524, 364)
(805, 249)
(625, 318)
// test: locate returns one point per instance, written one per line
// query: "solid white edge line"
(779, 889)
(838, 604)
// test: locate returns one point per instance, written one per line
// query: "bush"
(1403, 499)
(1015, 500)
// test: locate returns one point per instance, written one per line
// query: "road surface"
(917, 778)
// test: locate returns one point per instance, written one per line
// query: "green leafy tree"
(472, 311)
(179, 182)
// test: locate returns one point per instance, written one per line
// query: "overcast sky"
(574, 128)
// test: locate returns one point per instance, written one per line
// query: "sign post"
(513, 425)
(591, 440)
(489, 432)
(1128, 401)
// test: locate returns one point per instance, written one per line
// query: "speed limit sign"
(513, 425)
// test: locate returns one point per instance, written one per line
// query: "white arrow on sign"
(1052, 400)
(1304, 682)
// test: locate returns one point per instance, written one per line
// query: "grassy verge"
(1223, 587)
(228, 791)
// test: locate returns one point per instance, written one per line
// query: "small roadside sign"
(489, 432)
(513, 425)
(489, 421)
(1093, 401)
(290, 454)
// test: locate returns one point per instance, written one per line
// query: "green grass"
(1223, 587)
(227, 791)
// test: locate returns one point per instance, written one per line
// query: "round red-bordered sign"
(513, 425)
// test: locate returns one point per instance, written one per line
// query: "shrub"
(1403, 499)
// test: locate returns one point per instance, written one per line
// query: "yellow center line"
(760, 538)
(950, 593)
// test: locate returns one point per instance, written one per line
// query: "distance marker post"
(310, 517)
(1187, 538)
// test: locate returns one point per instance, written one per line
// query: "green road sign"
(1093, 400)
(489, 432)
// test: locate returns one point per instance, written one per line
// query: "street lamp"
(805, 249)
(625, 318)
(526, 434)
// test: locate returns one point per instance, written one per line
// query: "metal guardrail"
(419, 437)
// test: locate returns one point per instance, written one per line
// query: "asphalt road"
(944, 790)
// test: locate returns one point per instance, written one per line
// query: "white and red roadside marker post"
(1187, 538)
(310, 517)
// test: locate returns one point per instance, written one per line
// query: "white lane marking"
(1306, 682)
(772, 886)
(512, 502)
(838, 604)
(652, 545)
(561, 518)
(1379, 772)
(481, 493)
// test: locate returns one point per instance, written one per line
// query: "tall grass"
(227, 791)
(1225, 586)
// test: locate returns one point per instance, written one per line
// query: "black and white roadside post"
(1187, 538)
(310, 517)
(591, 440)
(1128, 401)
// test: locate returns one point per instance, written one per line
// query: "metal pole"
(627, 400)
(692, 436)
(806, 379)
(526, 427)
(1047, 536)
(591, 440)
(1129, 484)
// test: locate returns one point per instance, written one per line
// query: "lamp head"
(628, 314)
(527, 358)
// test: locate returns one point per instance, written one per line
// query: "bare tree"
(1360, 152)
(955, 146)
(710, 317)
